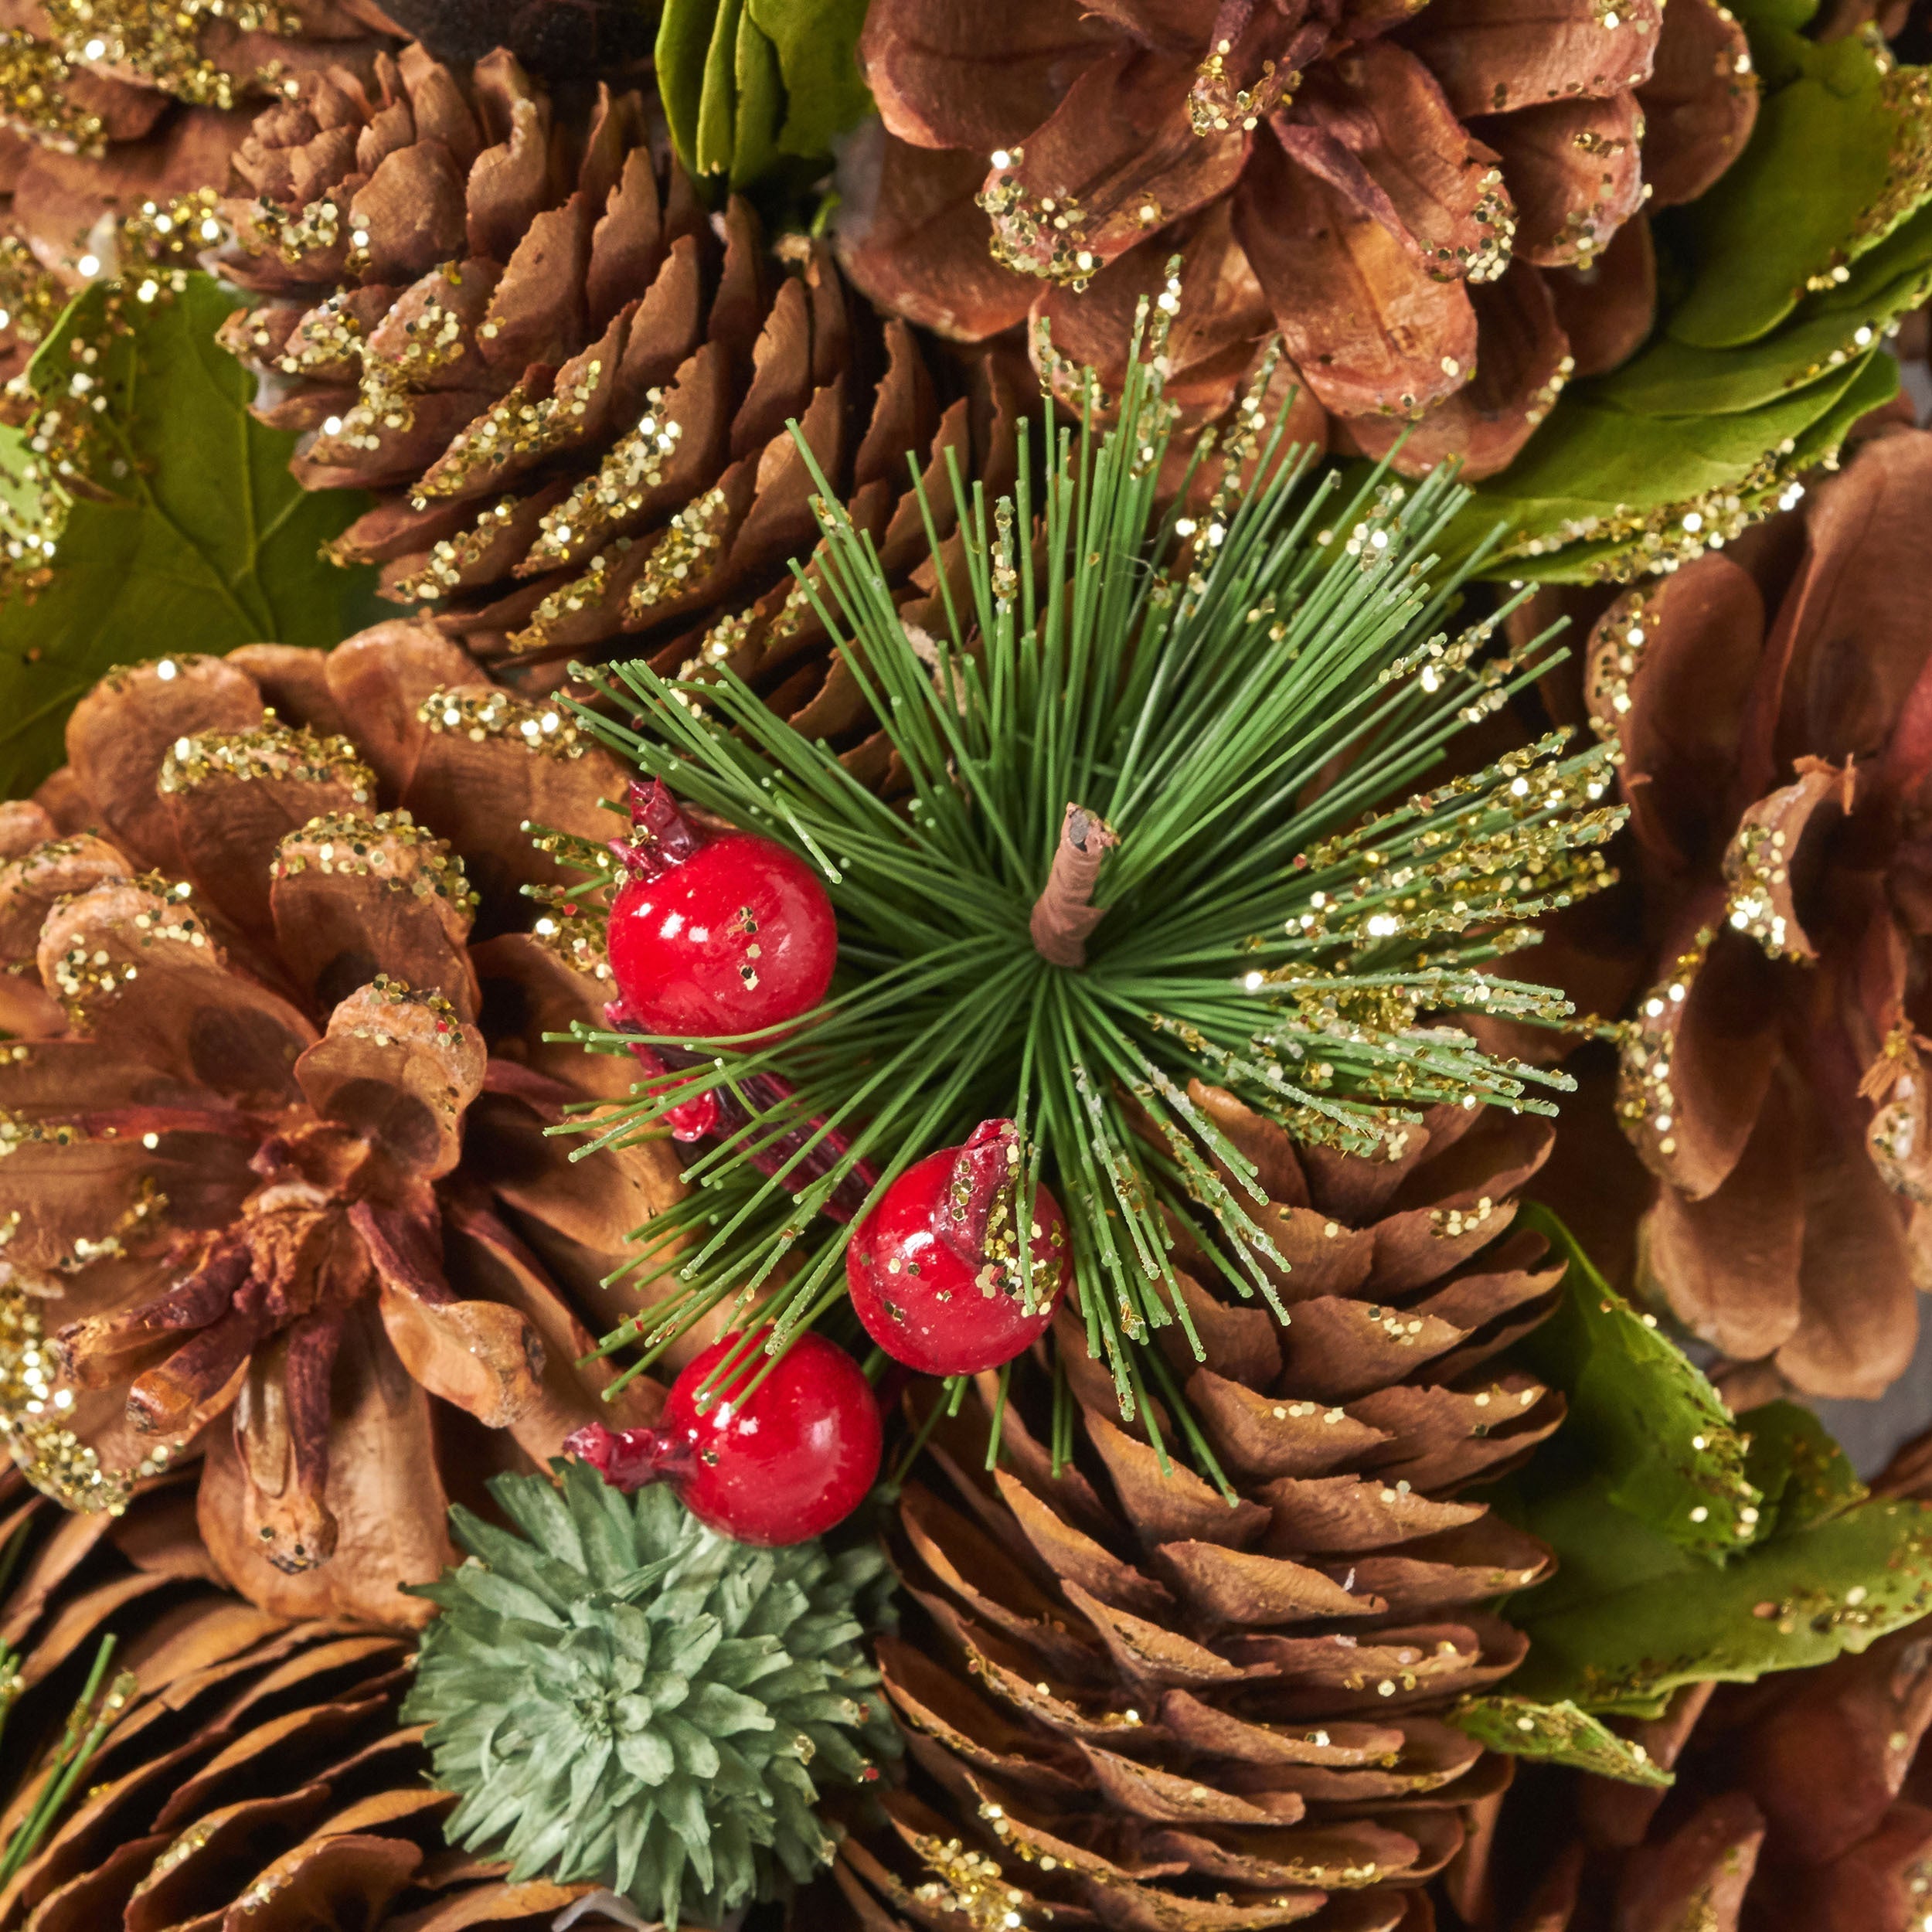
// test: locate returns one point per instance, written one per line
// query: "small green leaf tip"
(623, 1697)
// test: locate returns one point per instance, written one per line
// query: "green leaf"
(1557, 1734)
(1805, 1477)
(1688, 1548)
(683, 50)
(1630, 1617)
(1798, 202)
(760, 103)
(753, 88)
(1642, 1417)
(718, 103)
(818, 46)
(189, 534)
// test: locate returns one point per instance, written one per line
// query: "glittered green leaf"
(1872, 381)
(1826, 331)
(1596, 467)
(1805, 1476)
(1642, 1417)
(187, 535)
(1820, 166)
(1557, 1734)
(1630, 1617)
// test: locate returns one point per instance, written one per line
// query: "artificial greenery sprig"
(1164, 725)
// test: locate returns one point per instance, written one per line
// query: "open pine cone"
(107, 105)
(1440, 211)
(521, 331)
(1138, 1706)
(256, 1776)
(275, 1166)
(1771, 703)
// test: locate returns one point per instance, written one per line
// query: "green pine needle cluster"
(624, 1697)
(1229, 680)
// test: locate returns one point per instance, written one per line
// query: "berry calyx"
(935, 1270)
(711, 937)
(781, 1467)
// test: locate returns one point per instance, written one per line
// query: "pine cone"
(256, 1777)
(572, 399)
(106, 106)
(1439, 212)
(275, 1169)
(1142, 1707)
(1770, 702)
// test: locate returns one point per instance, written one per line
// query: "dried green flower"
(627, 1698)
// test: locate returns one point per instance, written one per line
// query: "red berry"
(934, 1269)
(710, 938)
(783, 1468)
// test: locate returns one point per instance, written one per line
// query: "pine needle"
(1224, 688)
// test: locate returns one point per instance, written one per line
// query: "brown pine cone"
(1439, 211)
(254, 1777)
(570, 386)
(1772, 701)
(1134, 1703)
(273, 1114)
(106, 106)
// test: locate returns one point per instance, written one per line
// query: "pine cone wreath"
(1771, 701)
(110, 109)
(276, 1168)
(569, 387)
(1142, 1705)
(1443, 214)
(252, 1773)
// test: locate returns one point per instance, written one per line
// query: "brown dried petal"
(1369, 327)
(120, 734)
(1493, 56)
(384, 1491)
(1699, 103)
(912, 236)
(1605, 309)
(411, 213)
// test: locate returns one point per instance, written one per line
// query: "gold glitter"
(389, 846)
(478, 713)
(158, 42)
(34, 101)
(270, 751)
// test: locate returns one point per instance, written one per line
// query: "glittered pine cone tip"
(509, 315)
(251, 1772)
(277, 1186)
(1442, 211)
(1131, 1702)
(111, 110)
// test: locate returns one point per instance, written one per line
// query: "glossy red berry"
(934, 1270)
(781, 1468)
(710, 937)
